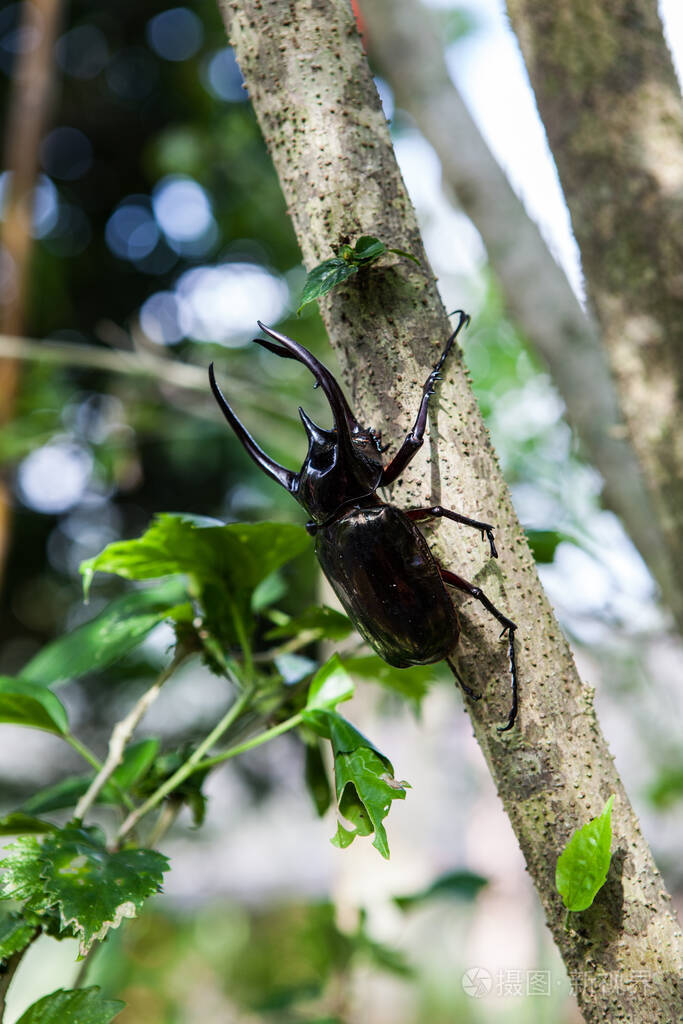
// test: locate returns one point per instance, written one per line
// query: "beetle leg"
(509, 627)
(438, 511)
(463, 685)
(414, 439)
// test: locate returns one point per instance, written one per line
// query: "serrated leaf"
(368, 249)
(324, 278)
(464, 885)
(26, 703)
(118, 629)
(93, 888)
(19, 823)
(79, 1006)
(21, 879)
(322, 622)
(583, 864)
(224, 564)
(330, 685)
(364, 780)
(15, 933)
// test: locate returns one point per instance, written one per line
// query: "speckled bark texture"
(410, 56)
(611, 104)
(315, 99)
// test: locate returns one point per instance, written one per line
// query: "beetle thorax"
(336, 469)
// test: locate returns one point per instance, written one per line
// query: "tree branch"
(536, 290)
(616, 131)
(318, 108)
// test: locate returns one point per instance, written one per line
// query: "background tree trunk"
(610, 101)
(402, 37)
(311, 87)
(28, 105)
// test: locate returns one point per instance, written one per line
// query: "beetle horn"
(315, 433)
(289, 349)
(286, 477)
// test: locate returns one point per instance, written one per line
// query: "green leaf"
(137, 760)
(21, 876)
(408, 255)
(324, 278)
(65, 793)
(464, 885)
(79, 1006)
(583, 865)
(364, 780)
(224, 564)
(543, 544)
(19, 823)
(317, 782)
(93, 888)
(15, 933)
(189, 791)
(114, 632)
(368, 249)
(293, 667)
(321, 621)
(412, 682)
(667, 788)
(26, 703)
(268, 591)
(330, 685)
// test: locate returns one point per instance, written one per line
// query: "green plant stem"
(255, 741)
(167, 815)
(248, 665)
(10, 970)
(85, 753)
(190, 766)
(120, 736)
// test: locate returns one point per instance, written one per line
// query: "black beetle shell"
(385, 576)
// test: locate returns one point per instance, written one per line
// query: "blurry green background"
(161, 235)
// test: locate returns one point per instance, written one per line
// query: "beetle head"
(342, 463)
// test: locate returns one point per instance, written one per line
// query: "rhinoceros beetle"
(376, 559)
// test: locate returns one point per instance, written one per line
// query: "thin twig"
(255, 741)
(190, 766)
(120, 736)
(167, 815)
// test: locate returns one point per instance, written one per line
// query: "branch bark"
(608, 96)
(311, 87)
(539, 298)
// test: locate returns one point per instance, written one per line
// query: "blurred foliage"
(290, 963)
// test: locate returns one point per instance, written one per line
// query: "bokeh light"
(54, 478)
(175, 34)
